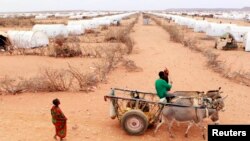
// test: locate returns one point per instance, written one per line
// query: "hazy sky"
(41, 5)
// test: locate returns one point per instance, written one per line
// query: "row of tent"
(235, 15)
(78, 27)
(240, 33)
(40, 33)
(74, 15)
(70, 15)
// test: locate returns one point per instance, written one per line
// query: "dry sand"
(26, 117)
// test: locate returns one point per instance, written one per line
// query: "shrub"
(61, 48)
(131, 66)
(20, 22)
(48, 81)
(120, 35)
(89, 31)
(175, 33)
(67, 50)
(105, 27)
(85, 81)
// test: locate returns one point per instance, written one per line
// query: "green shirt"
(162, 87)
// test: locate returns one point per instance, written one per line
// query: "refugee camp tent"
(95, 22)
(27, 39)
(87, 24)
(52, 30)
(239, 32)
(75, 29)
(3, 40)
(215, 29)
(103, 21)
(41, 17)
(182, 21)
(247, 42)
(191, 23)
(76, 17)
(201, 26)
(62, 15)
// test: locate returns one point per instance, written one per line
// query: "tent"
(191, 23)
(87, 24)
(201, 26)
(41, 17)
(247, 42)
(75, 29)
(27, 39)
(76, 17)
(52, 30)
(215, 29)
(3, 40)
(62, 15)
(239, 32)
(95, 22)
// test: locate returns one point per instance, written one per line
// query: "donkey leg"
(217, 122)
(203, 129)
(169, 128)
(189, 126)
(203, 132)
(159, 124)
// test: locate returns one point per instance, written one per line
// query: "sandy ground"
(26, 117)
(26, 66)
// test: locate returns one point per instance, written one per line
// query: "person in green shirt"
(162, 87)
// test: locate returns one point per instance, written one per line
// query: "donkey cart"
(136, 110)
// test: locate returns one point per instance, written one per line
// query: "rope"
(207, 115)
(196, 113)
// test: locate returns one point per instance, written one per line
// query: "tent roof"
(3, 34)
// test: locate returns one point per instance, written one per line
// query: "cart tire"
(134, 122)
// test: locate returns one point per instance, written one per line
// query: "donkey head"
(218, 104)
(214, 94)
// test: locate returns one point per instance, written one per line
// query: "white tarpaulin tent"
(95, 22)
(215, 29)
(52, 30)
(239, 32)
(3, 40)
(87, 24)
(247, 42)
(75, 29)
(76, 17)
(27, 39)
(41, 17)
(201, 26)
(191, 23)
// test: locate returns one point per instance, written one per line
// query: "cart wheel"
(134, 122)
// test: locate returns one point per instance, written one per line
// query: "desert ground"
(26, 116)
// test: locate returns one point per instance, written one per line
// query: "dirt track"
(27, 117)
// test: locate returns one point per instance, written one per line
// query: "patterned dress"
(59, 120)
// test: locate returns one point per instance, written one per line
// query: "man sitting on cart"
(166, 74)
(162, 88)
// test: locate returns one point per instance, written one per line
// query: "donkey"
(190, 114)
